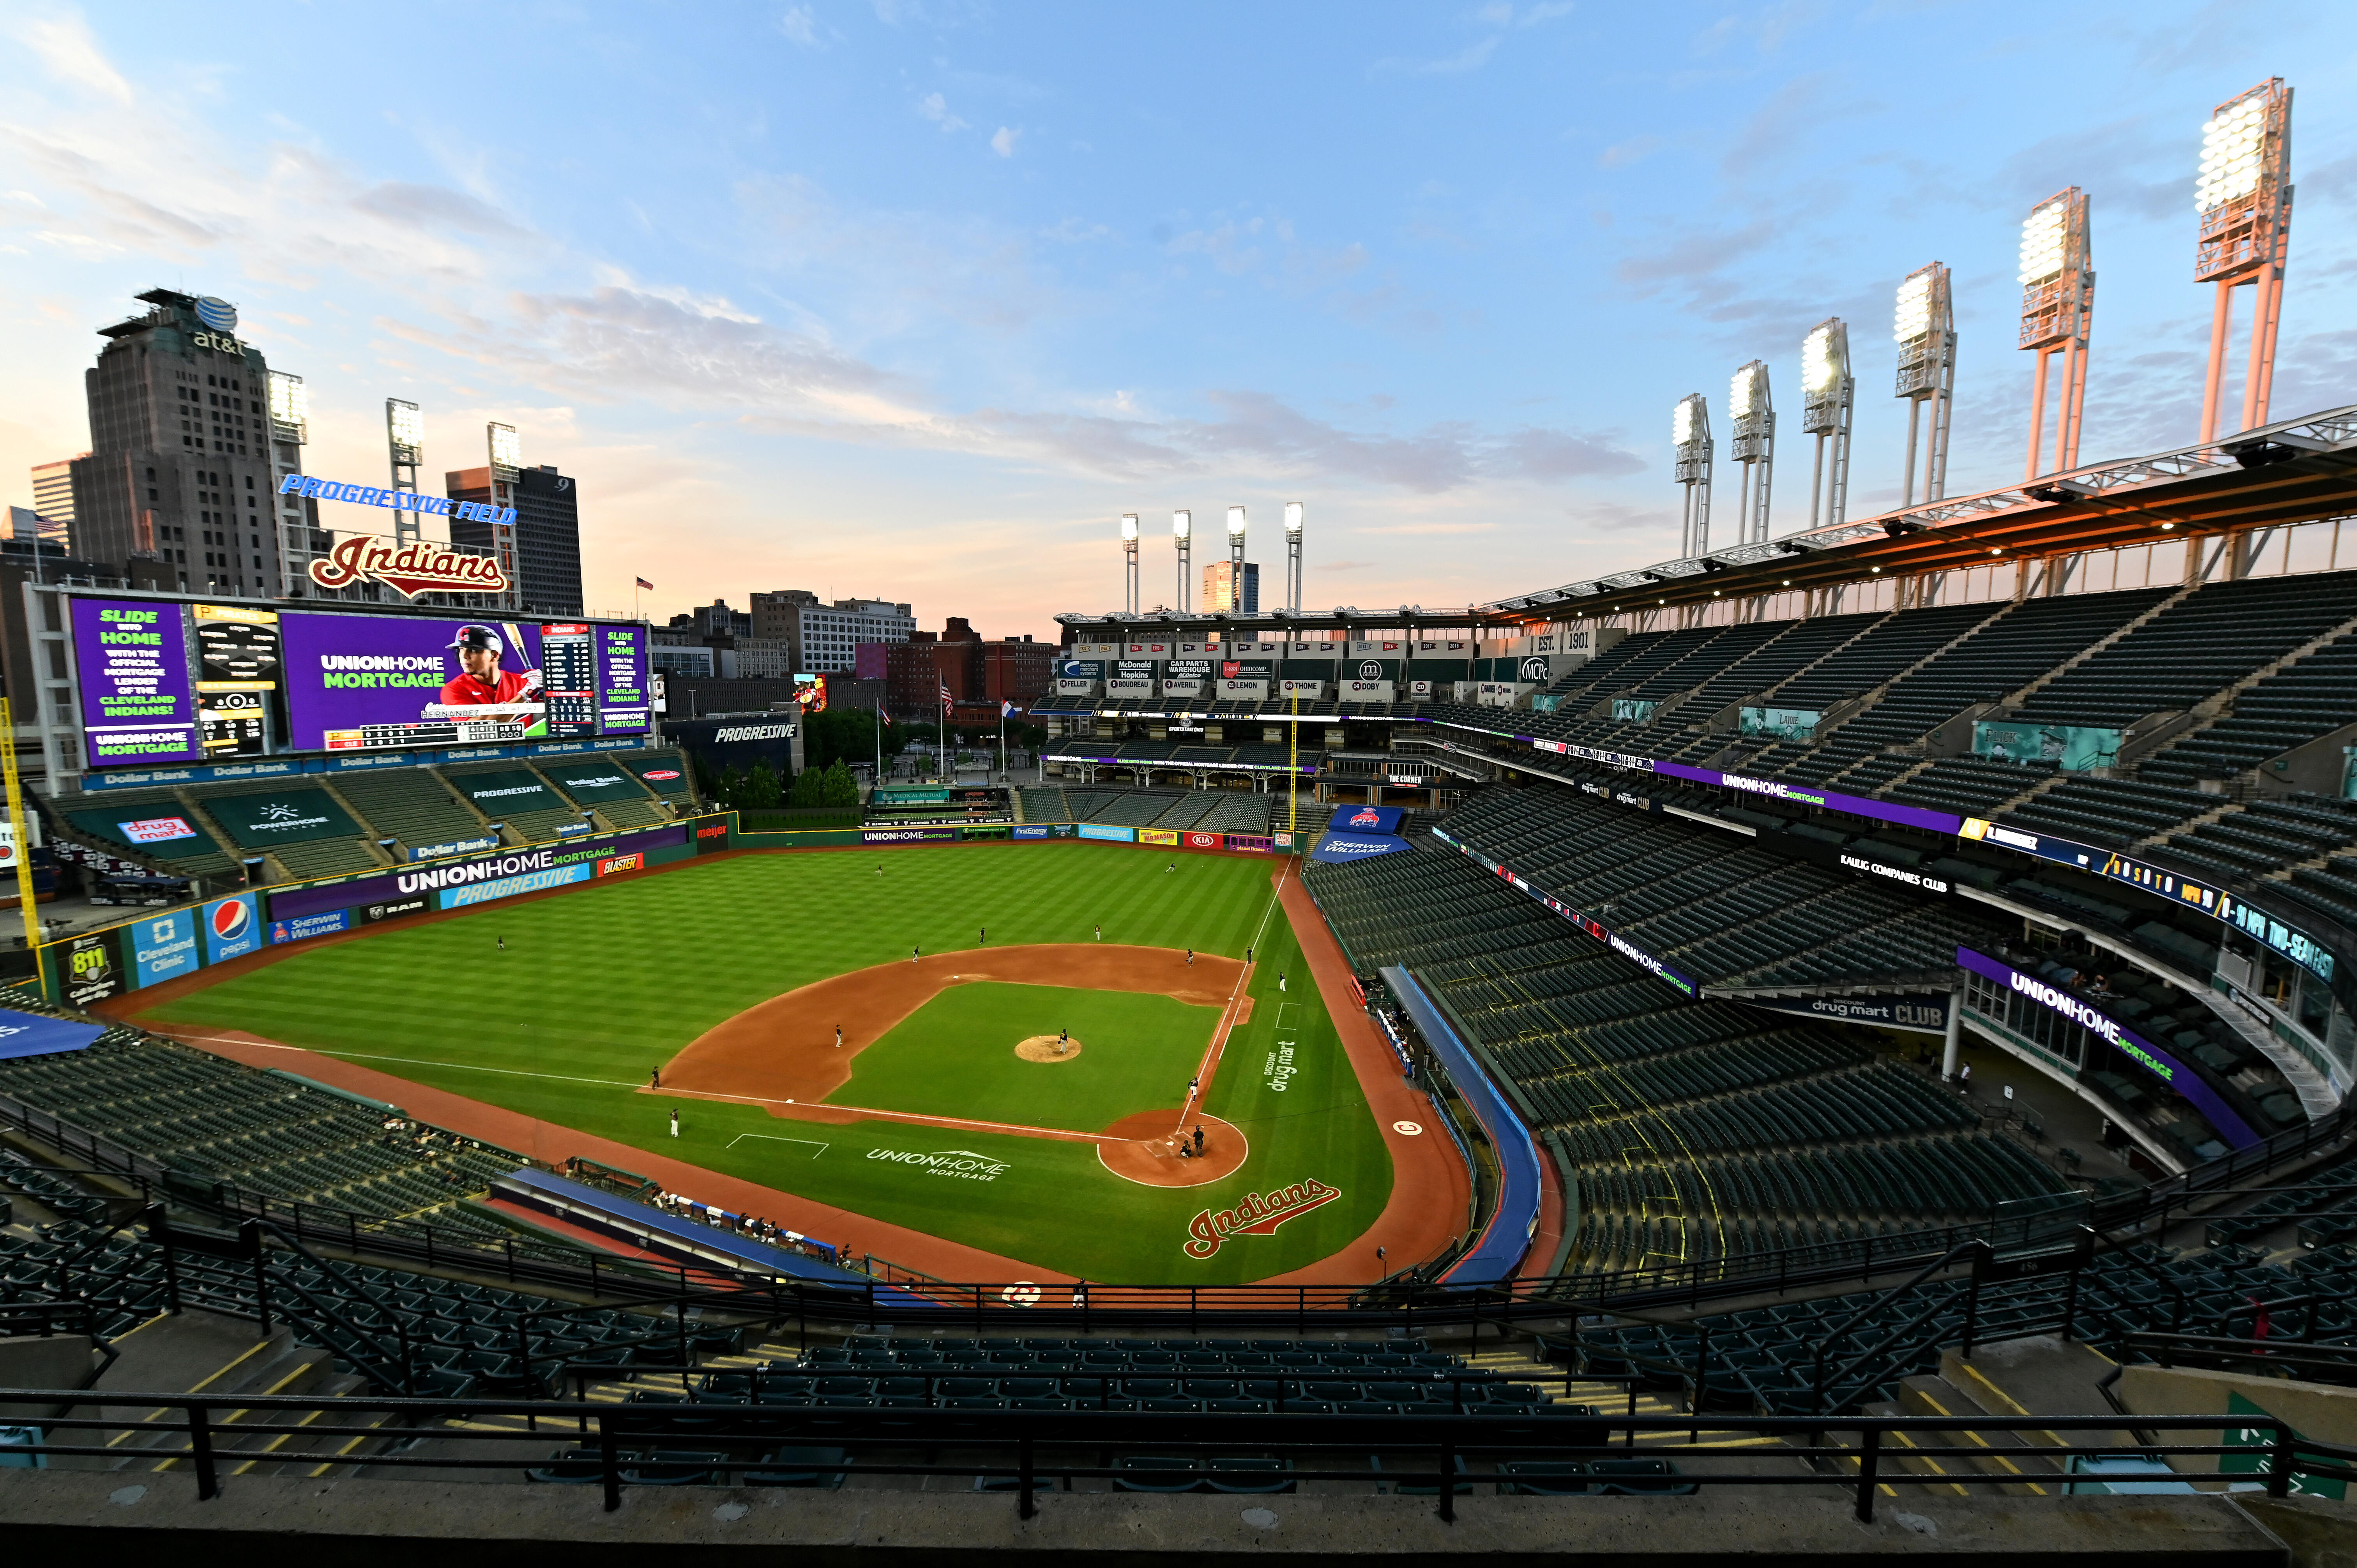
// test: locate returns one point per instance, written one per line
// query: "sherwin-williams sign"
(2073, 748)
(131, 663)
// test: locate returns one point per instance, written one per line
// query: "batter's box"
(815, 1148)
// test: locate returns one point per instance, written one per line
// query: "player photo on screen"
(484, 688)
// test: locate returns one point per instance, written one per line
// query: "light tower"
(2058, 308)
(505, 449)
(1828, 392)
(1182, 523)
(1925, 325)
(1690, 438)
(1293, 557)
(1129, 561)
(405, 437)
(1752, 417)
(2243, 196)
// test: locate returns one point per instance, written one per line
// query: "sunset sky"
(911, 300)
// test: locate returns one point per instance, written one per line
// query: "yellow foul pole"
(19, 816)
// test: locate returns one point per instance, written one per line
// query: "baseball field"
(1020, 1027)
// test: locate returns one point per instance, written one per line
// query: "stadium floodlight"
(404, 439)
(1235, 558)
(1235, 522)
(1690, 435)
(1828, 393)
(1293, 516)
(1129, 561)
(1182, 525)
(1923, 322)
(290, 408)
(2243, 196)
(1751, 417)
(2058, 308)
(507, 448)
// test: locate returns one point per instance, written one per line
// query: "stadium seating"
(411, 805)
(1692, 1129)
(526, 826)
(300, 860)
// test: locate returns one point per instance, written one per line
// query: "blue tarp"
(1508, 1234)
(1341, 848)
(1366, 819)
(684, 1241)
(36, 1035)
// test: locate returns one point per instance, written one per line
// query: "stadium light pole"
(2243, 197)
(1690, 438)
(1182, 524)
(404, 439)
(1235, 559)
(1293, 557)
(1751, 417)
(1925, 323)
(506, 453)
(2058, 308)
(1129, 561)
(1828, 393)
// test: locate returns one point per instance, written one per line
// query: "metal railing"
(625, 1444)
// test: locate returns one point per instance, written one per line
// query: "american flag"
(644, 584)
(946, 699)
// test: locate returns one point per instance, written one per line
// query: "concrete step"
(1938, 1397)
(2044, 1376)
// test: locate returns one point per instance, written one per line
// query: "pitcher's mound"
(1148, 1151)
(1042, 1048)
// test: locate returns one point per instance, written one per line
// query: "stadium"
(1844, 1029)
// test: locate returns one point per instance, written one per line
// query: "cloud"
(403, 202)
(1698, 253)
(1003, 141)
(1623, 153)
(63, 45)
(936, 108)
(799, 24)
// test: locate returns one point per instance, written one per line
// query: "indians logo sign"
(1366, 817)
(410, 569)
(1258, 1215)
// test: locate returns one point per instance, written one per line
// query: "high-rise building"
(547, 533)
(1221, 593)
(822, 639)
(53, 493)
(976, 674)
(180, 468)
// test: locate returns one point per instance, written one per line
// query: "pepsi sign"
(233, 928)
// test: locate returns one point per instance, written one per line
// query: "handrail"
(1603, 1444)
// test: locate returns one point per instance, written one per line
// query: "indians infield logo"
(1258, 1215)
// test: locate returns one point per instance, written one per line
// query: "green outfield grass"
(598, 986)
(955, 1057)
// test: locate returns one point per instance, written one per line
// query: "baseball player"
(838, 1036)
(481, 681)
(674, 1123)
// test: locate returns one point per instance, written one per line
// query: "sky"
(910, 299)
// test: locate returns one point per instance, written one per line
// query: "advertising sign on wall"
(1783, 724)
(92, 972)
(1157, 836)
(1046, 831)
(1630, 708)
(282, 816)
(131, 661)
(1914, 1015)
(2073, 748)
(908, 835)
(163, 947)
(1110, 833)
(441, 875)
(233, 928)
(302, 926)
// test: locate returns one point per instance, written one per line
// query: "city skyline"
(917, 301)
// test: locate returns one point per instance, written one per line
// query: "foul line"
(1218, 1049)
(256, 1041)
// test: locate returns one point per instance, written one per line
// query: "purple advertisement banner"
(298, 902)
(1946, 823)
(357, 682)
(131, 660)
(2172, 1072)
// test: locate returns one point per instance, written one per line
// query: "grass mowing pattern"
(955, 1057)
(600, 984)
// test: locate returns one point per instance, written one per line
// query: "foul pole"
(22, 826)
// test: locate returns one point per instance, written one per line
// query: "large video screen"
(167, 680)
(359, 683)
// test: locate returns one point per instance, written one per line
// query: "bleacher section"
(1692, 1129)
(512, 793)
(411, 805)
(298, 823)
(267, 1132)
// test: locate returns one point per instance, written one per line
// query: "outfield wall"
(88, 967)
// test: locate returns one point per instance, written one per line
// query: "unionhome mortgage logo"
(964, 1165)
